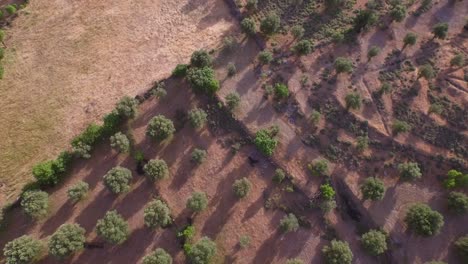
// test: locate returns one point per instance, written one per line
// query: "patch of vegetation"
(198, 155)
(197, 117)
(343, 65)
(270, 24)
(458, 60)
(117, 180)
(373, 189)
(458, 202)
(294, 261)
(232, 100)
(180, 70)
(35, 203)
(244, 241)
(374, 242)
(78, 191)
(440, 30)
(303, 47)
(409, 40)
(265, 57)
(279, 176)
(120, 142)
(202, 252)
(160, 128)
(409, 171)
(201, 59)
(461, 246)
(337, 252)
(156, 169)
(197, 202)
(248, 26)
(289, 223)
(353, 101)
(265, 141)
(242, 187)
(68, 239)
(319, 167)
(113, 228)
(399, 126)
(49, 173)
(327, 192)
(203, 80)
(23, 250)
(398, 12)
(424, 221)
(455, 179)
(157, 214)
(159, 256)
(281, 91)
(373, 51)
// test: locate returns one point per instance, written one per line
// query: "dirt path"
(68, 62)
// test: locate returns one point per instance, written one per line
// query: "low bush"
(127, 107)
(303, 47)
(111, 123)
(265, 57)
(68, 239)
(455, 179)
(244, 241)
(365, 18)
(242, 187)
(248, 26)
(458, 60)
(265, 142)
(251, 5)
(319, 167)
(203, 80)
(159, 256)
(279, 176)
(458, 202)
(315, 117)
(374, 242)
(440, 30)
(409, 171)
(11, 9)
(180, 70)
(400, 127)
(113, 228)
(297, 31)
(157, 214)
(78, 191)
(281, 91)
(373, 51)
(426, 71)
(424, 221)
(35, 203)
(117, 180)
(461, 247)
(409, 40)
(22, 250)
(289, 223)
(398, 12)
(270, 24)
(156, 169)
(198, 155)
(343, 65)
(49, 173)
(197, 202)
(353, 101)
(337, 252)
(201, 59)
(160, 128)
(120, 142)
(197, 117)
(327, 192)
(362, 143)
(231, 69)
(232, 100)
(294, 261)
(373, 189)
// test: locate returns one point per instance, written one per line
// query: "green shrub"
(160, 128)
(327, 192)
(289, 223)
(409, 171)
(399, 126)
(197, 117)
(112, 228)
(248, 26)
(251, 5)
(159, 256)
(327, 206)
(303, 47)
(82, 144)
(22, 250)
(455, 179)
(265, 142)
(270, 24)
(35, 203)
(398, 13)
(319, 167)
(315, 117)
(458, 202)
(365, 19)
(78, 191)
(197, 202)
(458, 60)
(294, 261)
(232, 100)
(231, 69)
(281, 91)
(435, 262)
(198, 155)
(200, 59)
(127, 107)
(374, 242)
(461, 246)
(373, 189)
(297, 31)
(265, 57)
(120, 142)
(426, 71)
(362, 143)
(424, 221)
(242, 187)
(11, 9)
(112, 123)
(203, 80)
(244, 241)
(386, 88)
(409, 39)
(353, 101)
(159, 92)
(156, 169)
(82, 150)
(373, 51)
(68, 239)
(117, 180)
(343, 65)
(157, 214)
(337, 252)
(279, 176)
(49, 173)
(180, 70)
(440, 30)
(203, 251)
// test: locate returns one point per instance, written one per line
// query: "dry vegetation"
(297, 147)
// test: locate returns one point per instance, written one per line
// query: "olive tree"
(120, 142)
(159, 256)
(343, 65)
(200, 59)
(197, 117)
(78, 191)
(242, 187)
(232, 100)
(127, 107)
(353, 101)
(409, 171)
(303, 47)
(319, 167)
(270, 24)
(373, 189)
(461, 246)
(248, 26)
(157, 214)
(117, 180)
(113, 228)
(424, 221)
(409, 40)
(374, 242)
(198, 155)
(156, 169)
(68, 239)
(203, 80)
(458, 202)
(265, 57)
(197, 202)
(440, 30)
(35, 203)
(398, 12)
(289, 223)
(426, 71)
(203, 251)
(265, 141)
(337, 252)
(22, 250)
(160, 128)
